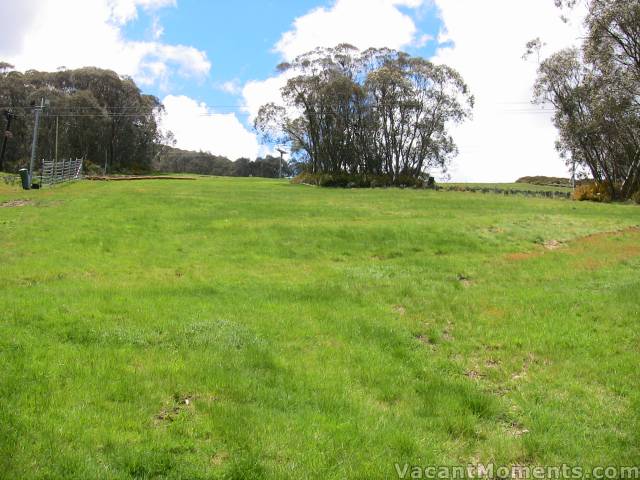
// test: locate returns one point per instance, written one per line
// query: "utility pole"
(56, 138)
(282, 152)
(34, 144)
(6, 134)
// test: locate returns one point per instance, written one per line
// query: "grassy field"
(247, 328)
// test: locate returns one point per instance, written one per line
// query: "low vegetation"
(250, 328)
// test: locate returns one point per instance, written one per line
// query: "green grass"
(247, 328)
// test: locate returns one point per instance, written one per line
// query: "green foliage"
(250, 328)
(97, 114)
(346, 180)
(175, 160)
(595, 93)
(379, 112)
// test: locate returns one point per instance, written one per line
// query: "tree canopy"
(98, 114)
(596, 93)
(379, 112)
(174, 160)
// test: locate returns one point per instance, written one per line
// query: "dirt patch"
(219, 458)
(587, 241)
(465, 280)
(447, 333)
(124, 179)
(595, 237)
(15, 203)
(425, 340)
(552, 244)
(516, 429)
(600, 250)
(520, 256)
(399, 309)
(180, 404)
(492, 363)
(530, 359)
(474, 375)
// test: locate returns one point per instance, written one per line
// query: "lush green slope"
(246, 328)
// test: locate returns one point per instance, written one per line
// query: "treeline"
(89, 112)
(374, 113)
(596, 94)
(174, 160)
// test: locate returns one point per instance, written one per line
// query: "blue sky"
(212, 63)
(238, 38)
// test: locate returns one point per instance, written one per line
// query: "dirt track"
(130, 178)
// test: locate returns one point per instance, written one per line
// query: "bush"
(636, 197)
(593, 192)
(348, 180)
(91, 168)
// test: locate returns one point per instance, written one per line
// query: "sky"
(212, 62)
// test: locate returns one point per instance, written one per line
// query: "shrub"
(636, 197)
(349, 180)
(593, 192)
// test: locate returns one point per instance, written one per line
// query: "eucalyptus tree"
(380, 111)
(596, 93)
(92, 113)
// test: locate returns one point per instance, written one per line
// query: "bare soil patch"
(130, 178)
(15, 203)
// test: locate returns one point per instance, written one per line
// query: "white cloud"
(508, 136)
(196, 127)
(374, 23)
(157, 30)
(232, 87)
(123, 11)
(76, 34)
(259, 92)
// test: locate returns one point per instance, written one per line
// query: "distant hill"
(175, 160)
(549, 181)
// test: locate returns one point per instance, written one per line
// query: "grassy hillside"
(247, 328)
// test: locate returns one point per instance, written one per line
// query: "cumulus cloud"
(123, 11)
(196, 127)
(375, 23)
(508, 137)
(259, 92)
(76, 34)
(232, 87)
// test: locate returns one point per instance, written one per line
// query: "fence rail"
(53, 172)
